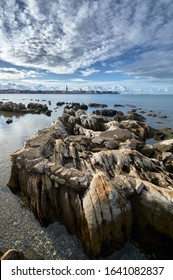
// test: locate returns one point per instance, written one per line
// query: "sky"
(103, 44)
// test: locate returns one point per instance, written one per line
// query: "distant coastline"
(18, 91)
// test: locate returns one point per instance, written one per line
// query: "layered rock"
(98, 177)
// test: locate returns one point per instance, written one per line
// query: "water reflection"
(11, 114)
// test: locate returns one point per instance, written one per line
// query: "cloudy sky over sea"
(80, 43)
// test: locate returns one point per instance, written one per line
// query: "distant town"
(65, 91)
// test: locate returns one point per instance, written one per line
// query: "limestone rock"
(147, 150)
(88, 172)
(164, 146)
(152, 213)
(34, 108)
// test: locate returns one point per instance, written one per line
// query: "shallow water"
(18, 226)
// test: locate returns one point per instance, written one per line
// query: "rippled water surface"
(18, 226)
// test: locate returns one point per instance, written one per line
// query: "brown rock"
(164, 146)
(13, 254)
(96, 181)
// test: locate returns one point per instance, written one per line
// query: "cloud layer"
(64, 36)
(14, 74)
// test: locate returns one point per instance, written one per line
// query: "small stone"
(98, 140)
(111, 145)
(56, 185)
(139, 186)
(60, 181)
(74, 181)
(39, 167)
(9, 121)
(167, 156)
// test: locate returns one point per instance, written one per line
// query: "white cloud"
(125, 86)
(113, 71)
(63, 36)
(155, 64)
(14, 74)
(79, 80)
(89, 71)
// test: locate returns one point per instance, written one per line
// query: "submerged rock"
(88, 172)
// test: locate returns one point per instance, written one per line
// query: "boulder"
(9, 121)
(118, 134)
(132, 115)
(147, 150)
(118, 105)
(152, 214)
(105, 112)
(34, 108)
(60, 103)
(76, 106)
(119, 116)
(97, 105)
(164, 134)
(87, 172)
(141, 130)
(167, 156)
(164, 146)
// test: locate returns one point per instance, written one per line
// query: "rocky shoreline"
(100, 178)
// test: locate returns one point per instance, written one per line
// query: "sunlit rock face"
(99, 178)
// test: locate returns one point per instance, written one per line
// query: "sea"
(18, 226)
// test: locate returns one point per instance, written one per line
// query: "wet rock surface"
(100, 178)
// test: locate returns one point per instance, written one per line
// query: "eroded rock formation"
(99, 177)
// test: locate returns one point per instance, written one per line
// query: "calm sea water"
(18, 227)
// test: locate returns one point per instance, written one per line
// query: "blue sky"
(87, 43)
